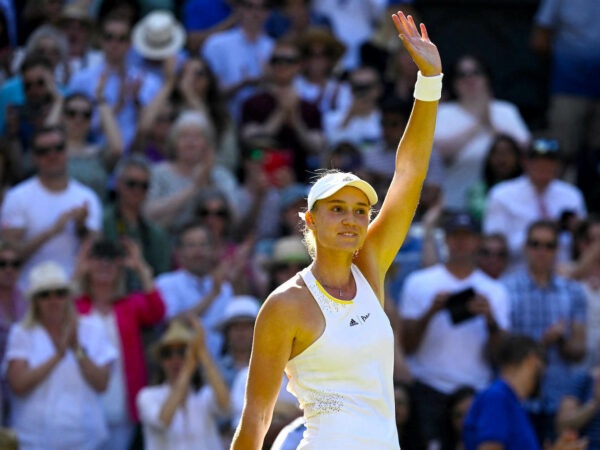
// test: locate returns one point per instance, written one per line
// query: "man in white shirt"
(446, 335)
(199, 287)
(238, 56)
(538, 194)
(47, 215)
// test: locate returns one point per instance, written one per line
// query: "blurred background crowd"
(154, 157)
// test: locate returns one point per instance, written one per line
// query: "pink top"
(132, 312)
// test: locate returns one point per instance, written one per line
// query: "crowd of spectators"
(154, 158)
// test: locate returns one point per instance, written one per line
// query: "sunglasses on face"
(283, 60)
(120, 38)
(213, 212)
(136, 184)
(40, 83)
(49, 293)
(10, 263)
(52, 149)
(362, 88)
(493, 254)
(72, 113)
(546, 245)
(169, 352)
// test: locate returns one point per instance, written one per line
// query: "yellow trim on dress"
(331, 297)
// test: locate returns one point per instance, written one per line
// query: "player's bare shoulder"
(288, 301)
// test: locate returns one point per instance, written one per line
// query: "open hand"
(423, 52)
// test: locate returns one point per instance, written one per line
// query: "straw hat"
(177, 333)
(47, 275)
(158, 35)
(289, 249)
(322, 36)
(75, 11)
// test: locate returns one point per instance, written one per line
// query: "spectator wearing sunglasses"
(467, 124)
(360, 122)
(538, 194)
(175, 183)
(57, 365)
(279, 119)
(183, 411)
(47, 215)
(12, 308)
(125, 217)
(116, 80)
(493, 255)
(552, 310)
(88, 160)
(25, 101)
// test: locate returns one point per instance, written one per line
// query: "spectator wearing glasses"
(126, 87)
(47, 215)
(183, 411)
(493, 255)
(12, 308)
(125, 217)
(89, 161)
(552, 310)
(467, 124)
(278, 115)
(537, 194)
(57, 365)
(25, 101)
(176, 183)
(321, 52)
(360, 123)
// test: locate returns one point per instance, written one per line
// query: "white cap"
(329, 184)
(240, 307)
(47, 275)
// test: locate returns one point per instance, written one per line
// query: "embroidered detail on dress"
(324, 403)
(327, 303)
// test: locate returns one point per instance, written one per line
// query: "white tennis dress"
(344, 380)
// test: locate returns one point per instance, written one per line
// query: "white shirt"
(181, 291)
(194, 426)
(35, 209)
(512, 205)
(466, 169)
(364, 132)
(63, 411)
(451, 355)
(233, 58)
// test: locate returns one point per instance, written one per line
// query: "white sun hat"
(329, 184)
(158, 35)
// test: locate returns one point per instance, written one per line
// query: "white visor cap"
(329, 184)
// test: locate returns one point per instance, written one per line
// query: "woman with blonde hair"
(57, 365)
(326, 326)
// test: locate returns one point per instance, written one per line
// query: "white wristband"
(428, 89)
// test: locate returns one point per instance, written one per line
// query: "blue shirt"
(582, 388)
(534, 309)
(497, 415)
